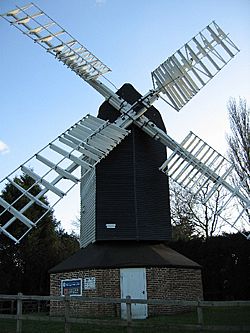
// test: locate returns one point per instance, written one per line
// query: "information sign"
(71, 287)
(89, 283)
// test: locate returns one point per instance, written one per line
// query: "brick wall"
(162, 283)
(172, 284)
(107, 285)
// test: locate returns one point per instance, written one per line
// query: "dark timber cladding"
(132, 195)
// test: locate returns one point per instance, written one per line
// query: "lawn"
(215, 316)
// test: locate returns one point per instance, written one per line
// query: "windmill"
(86, 143)
(75, 155)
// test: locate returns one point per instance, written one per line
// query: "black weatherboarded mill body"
(132, 195)
(126, 197)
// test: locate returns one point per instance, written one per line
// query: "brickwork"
(172, 284)
(162, 283)
(107, 285)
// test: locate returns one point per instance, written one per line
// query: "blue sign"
(72, 287)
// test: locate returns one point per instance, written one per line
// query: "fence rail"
(19, 317)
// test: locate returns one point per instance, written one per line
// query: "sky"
(40, 98)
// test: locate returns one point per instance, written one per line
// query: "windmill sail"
(182, 75)
(44, 31)
(61, 165)
(194, 164)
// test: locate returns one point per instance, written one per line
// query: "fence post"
(12, 306)
(129, 314)
(66, 314)
(200, 313)
(19, 314)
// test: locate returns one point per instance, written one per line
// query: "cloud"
(100, 2)
(4, 149)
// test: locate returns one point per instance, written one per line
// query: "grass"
(212, 316)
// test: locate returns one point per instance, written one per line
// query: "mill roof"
(124, 255)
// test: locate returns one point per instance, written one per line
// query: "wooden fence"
(129, 323)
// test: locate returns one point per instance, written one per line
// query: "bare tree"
(239, 145)
(181, 214)
(192, 218)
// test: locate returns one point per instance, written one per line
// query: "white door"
(133, 283)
